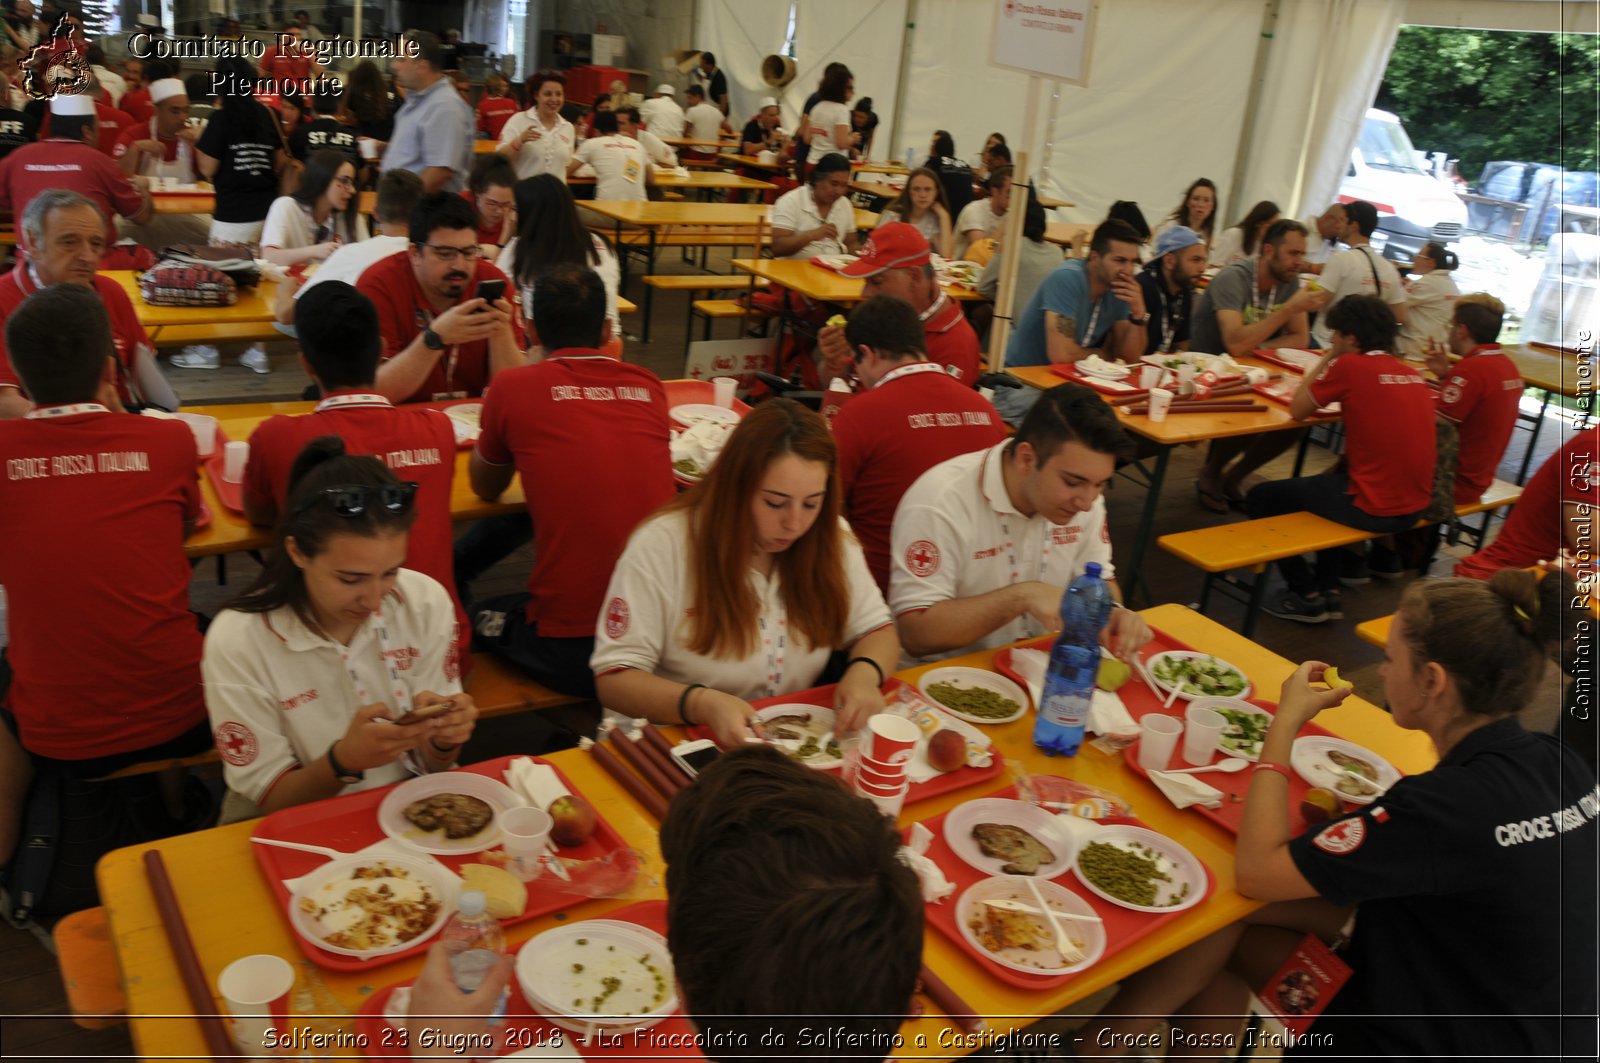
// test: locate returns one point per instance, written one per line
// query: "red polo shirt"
(112, 124)
(1389, 436)
(136, 103)
(950, 340)
(69, 164)
(1481, 395)
(462, 370)
(917, 416)
(494, 112)
(105, 652)
(127, 335)
(144, 131)
(417, 444)
(1535, 531)
(583, 426)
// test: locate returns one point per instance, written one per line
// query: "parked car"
(1413, 206)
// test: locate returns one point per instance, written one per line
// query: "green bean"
(974, 701)
(1127, 876)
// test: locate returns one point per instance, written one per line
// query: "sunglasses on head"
(353, 500)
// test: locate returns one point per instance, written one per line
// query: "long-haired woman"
(1197, 211)
(922, 203)
(322, 214)
(549, 234)
(337, 666)
(743, 587)
(1239, 242)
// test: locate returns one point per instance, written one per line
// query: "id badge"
(440, 396)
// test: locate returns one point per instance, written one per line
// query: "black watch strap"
(432, 340)
(340, 772)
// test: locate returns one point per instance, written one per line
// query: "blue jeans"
(1326, 496)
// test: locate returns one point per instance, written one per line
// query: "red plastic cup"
(890, 739)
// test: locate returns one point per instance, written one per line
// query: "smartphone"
(428, 712)
(491, 291)
(694, 757)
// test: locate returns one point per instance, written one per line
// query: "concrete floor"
(30, 991)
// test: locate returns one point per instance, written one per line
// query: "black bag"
(234, 260)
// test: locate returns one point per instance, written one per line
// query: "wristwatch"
(1140, 321)
(342, 773)
(432, 340)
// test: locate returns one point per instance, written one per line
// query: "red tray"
(230, 495)
(1123, 926)
(686, 392)
(524, 1027)
(350, 823)
(1282, 392)
(1270, 354)
(1119, 388)
(202, 519)
(920, 791)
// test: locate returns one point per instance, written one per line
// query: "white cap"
(666, 90)
(767, 101)
(148, 20)
(77, 105)
(166, 88)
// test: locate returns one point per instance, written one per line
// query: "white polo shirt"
(279, 694)
(957, 535)
(549, 154)
(619, 165)
(796, 210)
(644, 623)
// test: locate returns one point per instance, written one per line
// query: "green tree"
(1482, 95)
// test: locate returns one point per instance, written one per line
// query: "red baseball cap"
(896, 245)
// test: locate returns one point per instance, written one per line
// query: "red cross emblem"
(922, 558)
(1342, 837)
(616, 618)
(237, 744)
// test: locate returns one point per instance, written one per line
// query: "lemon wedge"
(1335, 680)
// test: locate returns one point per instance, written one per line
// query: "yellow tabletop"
(1550, 370)
(1068, 234)
(692, 179)
(880, 167)
(734, 215)
(824, 285)
(1190, 427)
(778, 165)
(230, 911)
(229, 532)
(691, 142)
(875, 188)
(161, 204)
(254, 305)
(484, 147)
(1375, 631)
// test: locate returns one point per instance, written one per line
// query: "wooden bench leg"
(1205, 591)
(1258, 591)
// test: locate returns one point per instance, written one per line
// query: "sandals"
(1214, 501)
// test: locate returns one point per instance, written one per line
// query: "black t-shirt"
(718, 87)
(325, 134)
(755, 134)
(802, 148)
(1169, 314)
(16, 129)
(1476, 889)
(382, 129)
(244, 139)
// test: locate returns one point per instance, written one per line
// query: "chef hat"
(76, 105)
(166, 88)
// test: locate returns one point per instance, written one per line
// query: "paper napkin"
(935, 887)
(1185, 790)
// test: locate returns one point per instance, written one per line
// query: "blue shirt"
(1065, 292)
(434, 127)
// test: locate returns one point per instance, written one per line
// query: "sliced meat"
(458, 815)
(1024, 853)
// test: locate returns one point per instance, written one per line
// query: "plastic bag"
(1057, 794)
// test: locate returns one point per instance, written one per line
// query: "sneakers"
(1333, 602)
(256, 360)
(198, 357)
(1293, 607)
(1385, 563)
(1353, 569)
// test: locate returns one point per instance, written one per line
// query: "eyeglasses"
(345, 182)
(446, 253)
(353, 500)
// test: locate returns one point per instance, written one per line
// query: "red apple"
(573, 818)
(947, 750)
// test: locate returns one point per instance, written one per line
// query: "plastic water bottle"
(1074, 664)
(474, 941)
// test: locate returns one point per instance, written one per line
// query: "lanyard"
(397, 687)
(1170, 312)
(910, 370)
(333, 402)
(775, 643)
(1015, 566)
(46, 412)
(1088, 333)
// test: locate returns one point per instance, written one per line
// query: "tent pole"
(1011, 238)
(902, 77)
(1258, 75)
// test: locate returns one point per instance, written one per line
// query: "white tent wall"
(1324, 66)
(741, 33)
(865, 35)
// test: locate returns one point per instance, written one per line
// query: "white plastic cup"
(1150, 376)
(1160, 404)
(1201, 731)
(1186, 375)
(1255, 375)
(1158, 737)
(524, 834)
(889, 802)
(235, 456)
(255, 990)
(368, 147)
(890, 739)
(724, 387)
(204, 427)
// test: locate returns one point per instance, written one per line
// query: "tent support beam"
(1258, 87)
(902, 79)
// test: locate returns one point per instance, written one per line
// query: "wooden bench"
(689, 282)
(711, 310)
(1255, 544)
(498, 689)
(236, 332)
(1375, 631)
(89, 970)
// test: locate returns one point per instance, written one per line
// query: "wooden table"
(230, 912)
(691, 142)
(823, 285)
(254, 308)
(1176, 430)
(1068, 234)
(1551, 372)
(229, 532)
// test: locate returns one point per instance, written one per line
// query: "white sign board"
(1051, 38)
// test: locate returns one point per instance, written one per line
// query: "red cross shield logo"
(616, 618)
(922, 558)
(237, 744)
(1342, 837)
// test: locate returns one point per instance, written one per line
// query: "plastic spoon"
(1228, 764)
(1028, 909)
(320, 850)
